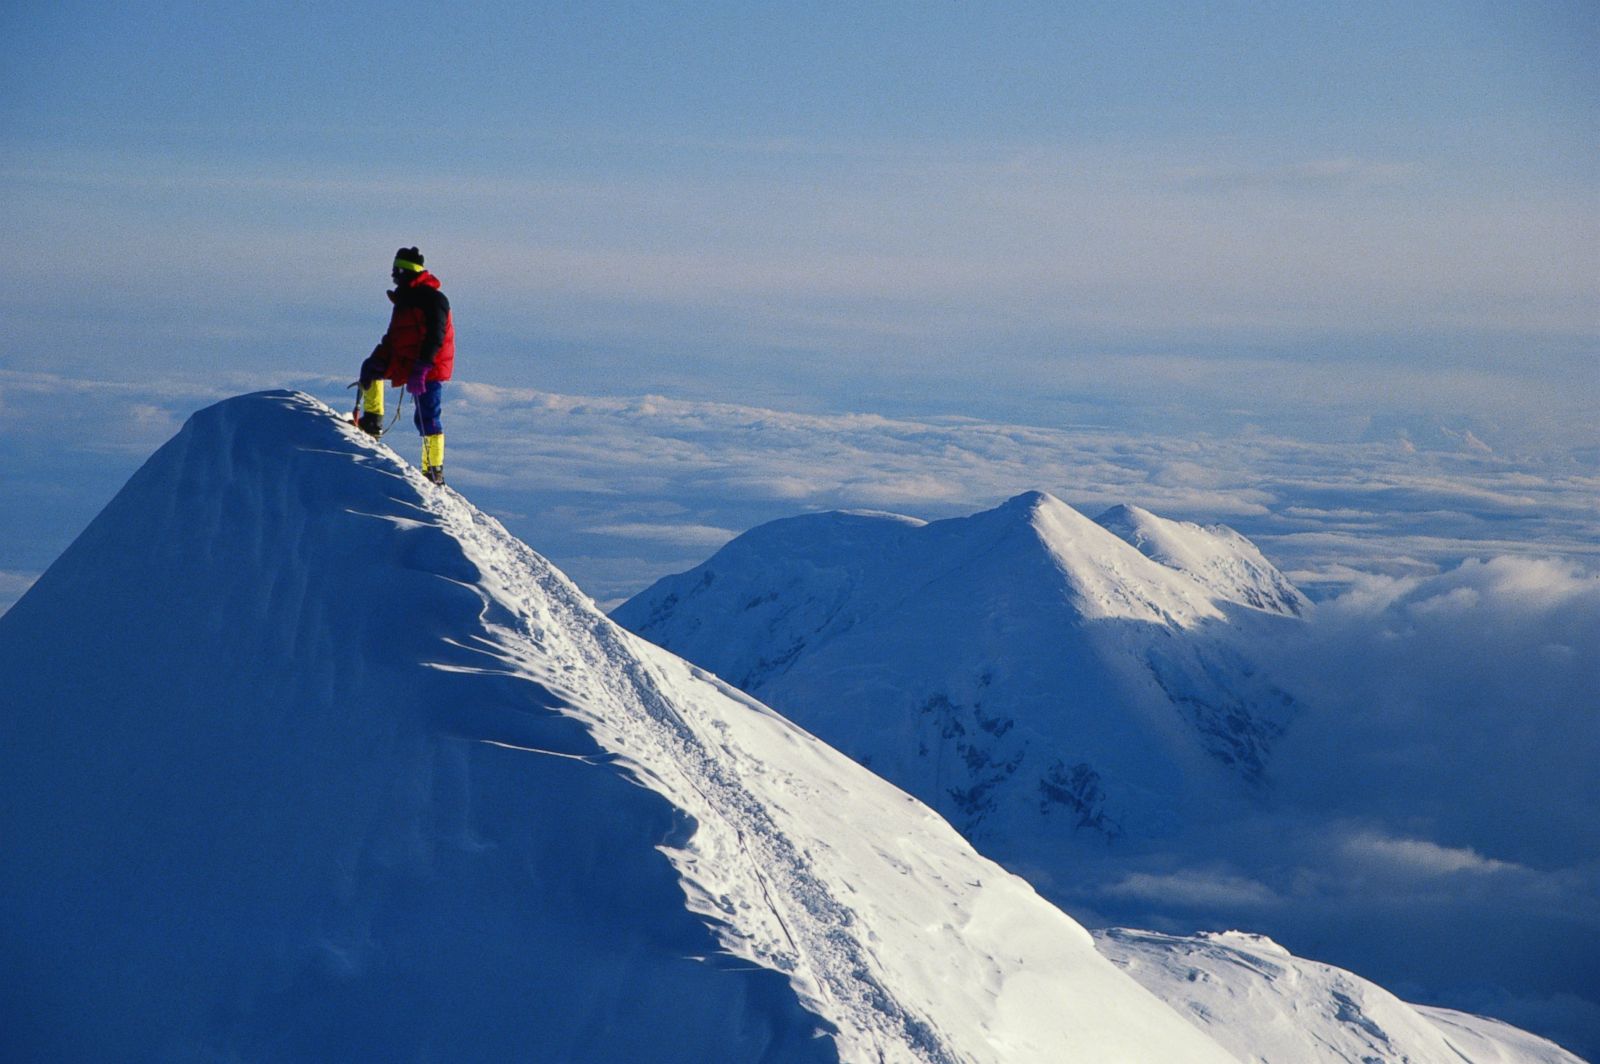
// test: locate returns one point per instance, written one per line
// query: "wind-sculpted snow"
(1263, 1004)
(303, 759)
(1023, 670)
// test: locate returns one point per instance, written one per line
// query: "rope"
(398, 406)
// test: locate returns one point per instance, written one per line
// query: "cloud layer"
(620, 490)
(1323, 511)
(1435, 814)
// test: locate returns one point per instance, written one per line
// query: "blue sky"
(1326, 223)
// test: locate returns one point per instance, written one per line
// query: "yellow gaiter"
(433, 451)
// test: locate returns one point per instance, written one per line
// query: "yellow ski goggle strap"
(402, 264)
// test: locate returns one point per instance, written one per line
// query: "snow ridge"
(1262, 1003)
(1105, 579)
(1224, 562)
(802, 926)
(807, 939)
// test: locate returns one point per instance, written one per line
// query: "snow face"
(305, 759)
(1265, 1005)
(1029, 674)
(1227, 564)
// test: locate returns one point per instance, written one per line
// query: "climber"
(418, 351)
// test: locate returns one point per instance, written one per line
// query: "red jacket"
(421, 332)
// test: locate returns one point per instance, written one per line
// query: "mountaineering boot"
(433, 457)
(371, 420)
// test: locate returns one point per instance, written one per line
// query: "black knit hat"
(408, 255)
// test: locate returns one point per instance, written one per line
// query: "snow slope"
(303, 759)
(1226, 563)
(1268, 1006)
(1024, 670)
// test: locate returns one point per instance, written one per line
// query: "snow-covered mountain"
(302, 759)
(1092, 702)
(1025, 671)
(1263, 1004)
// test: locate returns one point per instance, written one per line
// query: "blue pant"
(428, 406)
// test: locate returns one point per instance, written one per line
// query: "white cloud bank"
(1324, 511)
(621, 490)
(1469, 693)
(1434, 821)
(1417, 856)
(1195, 888)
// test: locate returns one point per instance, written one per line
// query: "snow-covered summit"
(1102, 576)
(304, 759)
(1226, 563)
(1023, 670)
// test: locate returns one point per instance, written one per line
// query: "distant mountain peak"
(1023, 669)
(1029, 501)
(1124, 515)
